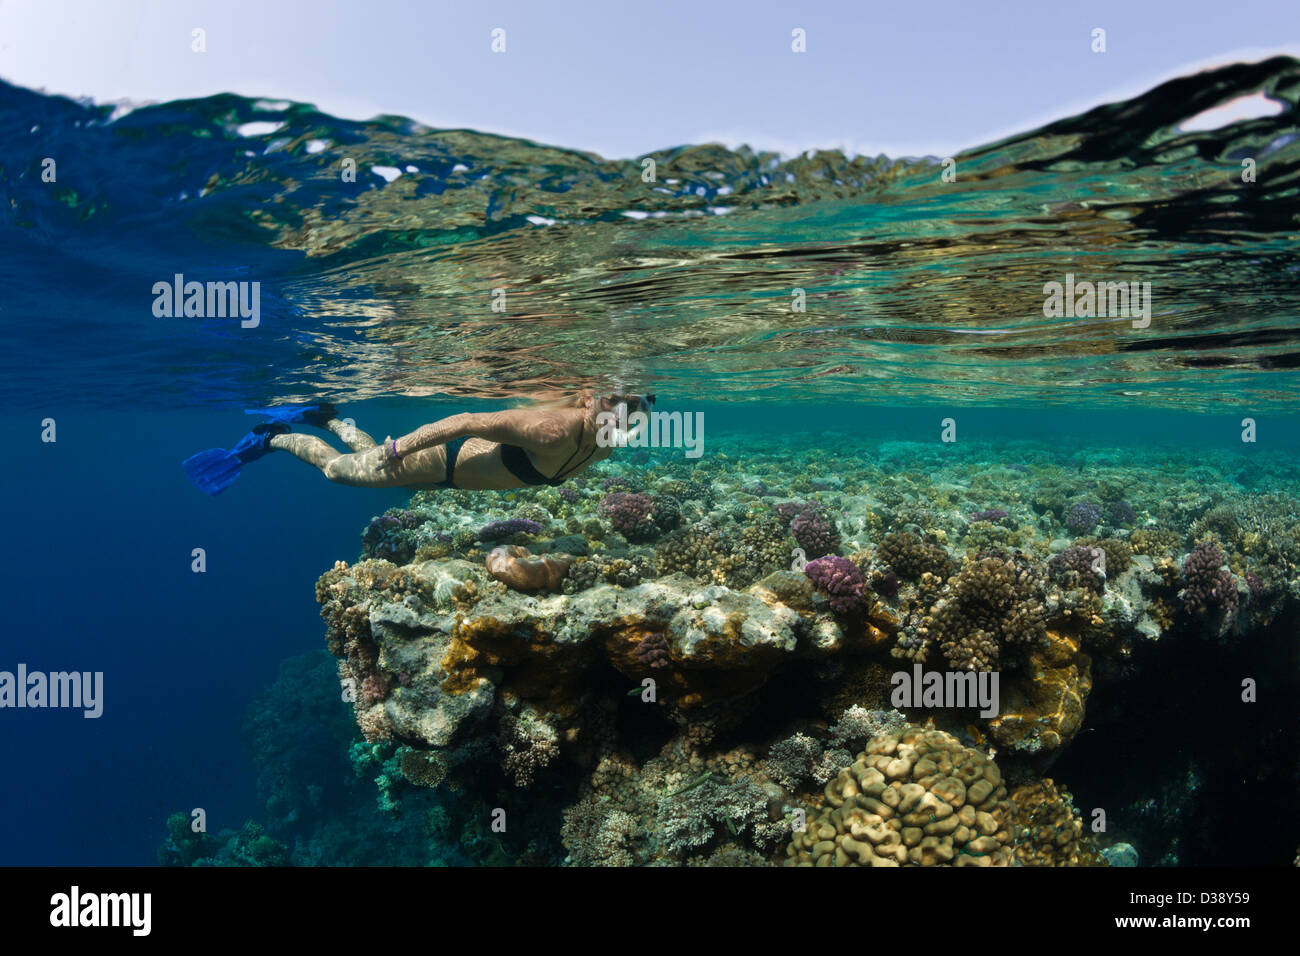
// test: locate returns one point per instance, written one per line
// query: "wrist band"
(395, 454)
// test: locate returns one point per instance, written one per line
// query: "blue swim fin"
(216, 469)
(316, 415)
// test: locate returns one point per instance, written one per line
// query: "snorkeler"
(544, 445)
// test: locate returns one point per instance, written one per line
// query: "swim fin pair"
(214, 470)
(315, 415)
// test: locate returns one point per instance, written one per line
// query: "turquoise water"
(834, 320)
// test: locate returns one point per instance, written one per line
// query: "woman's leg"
(314, 451)
(365, 468)
(352, 436)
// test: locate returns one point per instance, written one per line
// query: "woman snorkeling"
(543, 445)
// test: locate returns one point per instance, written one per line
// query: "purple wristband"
(395, 454)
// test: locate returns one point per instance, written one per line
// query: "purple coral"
(1083, 517)
(1209, 585)
(569, 494)
(652, 651)
(810, 526)
(815, 532)
(1121, 514)
(1257, 587)
(498, 530)
(787, 510)
(989, 514)
(638, 516)
(1079, 566)
(841, 579)
(388, 537)
(375, 688)
(887, 585)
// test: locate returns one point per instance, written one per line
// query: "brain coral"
(916, 799)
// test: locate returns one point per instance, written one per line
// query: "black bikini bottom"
(453, 452)
(518, 464)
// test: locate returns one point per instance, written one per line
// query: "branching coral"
(841, 579)
(391, 536)
(815, 532)
(1079, 566)
(1209, 586)
(527, 745)
(701, 551)
(799, 758)
(690, 818)
(910, 557)
(638, 516)
(652, 651)
(992, 602)
(500, 530)
(1047, 828)
(1082, 517)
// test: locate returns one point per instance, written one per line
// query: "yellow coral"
(916, 799)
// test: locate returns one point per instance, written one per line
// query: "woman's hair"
(574, 400)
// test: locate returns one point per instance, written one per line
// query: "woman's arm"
(530, 428)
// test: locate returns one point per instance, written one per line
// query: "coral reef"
(1079, 566)
(1082, 517)
(652, 651)
(815, 532)
(247, 846)
(666, 682)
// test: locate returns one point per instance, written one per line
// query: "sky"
(622, 79)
